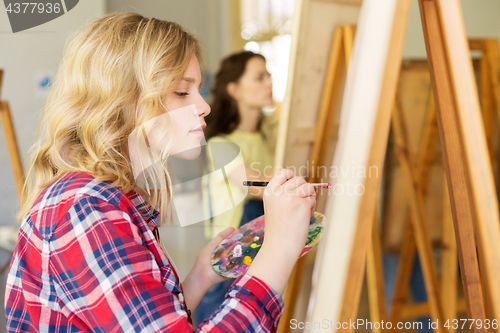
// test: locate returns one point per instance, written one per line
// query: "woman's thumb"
(223, 234)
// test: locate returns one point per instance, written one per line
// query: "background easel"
(313, 20)
(340, 53)
(10, 135)
(473, 197)
(487, 84)
(13, 147)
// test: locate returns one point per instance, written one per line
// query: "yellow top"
(223, 199)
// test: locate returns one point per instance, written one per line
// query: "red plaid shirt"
(87, 260)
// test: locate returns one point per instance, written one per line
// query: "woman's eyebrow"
(191, 80)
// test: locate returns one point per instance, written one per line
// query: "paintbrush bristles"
(327, 185)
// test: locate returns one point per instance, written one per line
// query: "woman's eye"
(181, 94)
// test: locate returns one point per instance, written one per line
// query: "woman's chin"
(269, 104)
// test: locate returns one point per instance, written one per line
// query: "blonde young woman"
(87, 256)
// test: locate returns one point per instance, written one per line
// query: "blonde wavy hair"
(113, 78)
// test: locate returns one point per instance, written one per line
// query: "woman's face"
(187, 110)
(254, 88)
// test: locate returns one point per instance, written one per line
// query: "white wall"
(482, 19)
(22, 56)
(207, 19)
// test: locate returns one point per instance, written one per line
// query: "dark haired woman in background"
(242, 88)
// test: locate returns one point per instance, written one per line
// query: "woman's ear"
(232, 90)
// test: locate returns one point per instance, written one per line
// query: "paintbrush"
(258, 183)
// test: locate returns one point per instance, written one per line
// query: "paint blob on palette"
(235, 254)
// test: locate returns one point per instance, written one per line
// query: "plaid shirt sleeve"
(94, 272)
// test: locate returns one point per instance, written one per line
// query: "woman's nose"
(203, 109)
(269, 81)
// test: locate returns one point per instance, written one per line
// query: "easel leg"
(403, 274)
(348, 33)
(449, 263)
(450, 140)
(408, 249)
(15, 157)
(488, 81)
(487, 102)
(291, 293)
(375, 278)
(328, 103)
(493, 54)
(490, 49)
(420, 226)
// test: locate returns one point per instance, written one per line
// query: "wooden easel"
(466, 159)
(313, 20)
(15, 157)
(472, 289)
(490, 87)
(10, 135)
(340, 53)
(456, 127)
(488, 63)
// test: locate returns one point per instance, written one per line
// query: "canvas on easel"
(364, 128)
(313, 25)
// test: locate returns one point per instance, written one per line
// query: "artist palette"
(235, 254)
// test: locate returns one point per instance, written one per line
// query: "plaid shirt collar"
(148, 213)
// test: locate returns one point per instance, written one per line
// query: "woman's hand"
(202, 276)
(289, 202)
(204, 260)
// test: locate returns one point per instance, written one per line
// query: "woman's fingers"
(224, 233)
(306, 190)
(220, 237)
(285, 180)
(312, 200)
(280, 178)
(294, 183)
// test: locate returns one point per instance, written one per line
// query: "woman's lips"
(197, 131)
